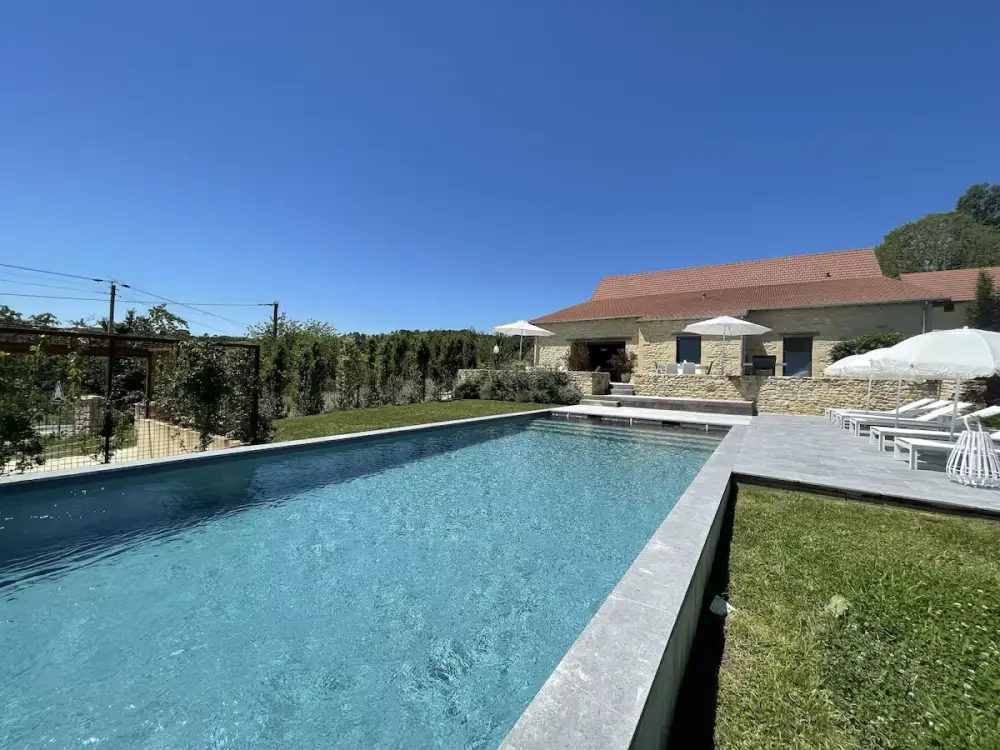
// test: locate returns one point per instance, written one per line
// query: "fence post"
(108, 419)
(255, 409)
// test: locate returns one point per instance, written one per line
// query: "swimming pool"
(413, 590)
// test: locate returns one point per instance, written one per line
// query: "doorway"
(601, 352)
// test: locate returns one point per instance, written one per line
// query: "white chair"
(670, 368)
(687, 368)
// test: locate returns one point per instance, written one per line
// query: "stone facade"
(784, 395)
(655, 341)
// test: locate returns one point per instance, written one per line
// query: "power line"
(187, 318)
(50, 296)
(183, 304)
(50, 286)
(52, 273)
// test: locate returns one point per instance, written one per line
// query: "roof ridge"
(737, 262)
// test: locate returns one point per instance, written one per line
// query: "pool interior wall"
(259, 570)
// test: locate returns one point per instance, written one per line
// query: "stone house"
(810, 302)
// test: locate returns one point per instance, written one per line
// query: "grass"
(84, 445)
(383, 417)
(859, 626)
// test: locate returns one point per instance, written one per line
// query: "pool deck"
(812, 453)
(662, 416)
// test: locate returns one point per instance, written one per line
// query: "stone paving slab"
(814, 452)
(654, 415)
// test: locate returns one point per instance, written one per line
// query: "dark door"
(601, 353)
(798, 353)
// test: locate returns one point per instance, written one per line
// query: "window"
(689, 349)
(797, 353)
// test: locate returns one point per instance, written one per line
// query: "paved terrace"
(814, 452)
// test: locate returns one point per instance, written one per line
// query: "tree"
(984, 312)
(867, 342)
(982, 204)
(938, 242)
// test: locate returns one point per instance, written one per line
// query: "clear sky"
(384, 165)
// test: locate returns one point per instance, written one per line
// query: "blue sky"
(396, 164)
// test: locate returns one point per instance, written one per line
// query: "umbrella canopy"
(521, 328)
(958, 354)
(725, 326)
(861, 367)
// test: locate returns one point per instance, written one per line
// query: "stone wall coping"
(599, 695)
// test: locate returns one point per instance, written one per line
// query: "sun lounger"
(831, 411)
(878, 434)
(859, 424)
(842, 417)
(912, 448)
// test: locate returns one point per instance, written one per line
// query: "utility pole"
(274, 307)
(108, 421)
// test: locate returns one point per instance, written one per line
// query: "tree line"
(968, 237)
(309, 368)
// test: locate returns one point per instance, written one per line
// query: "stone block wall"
(783, 395)
(553, 350)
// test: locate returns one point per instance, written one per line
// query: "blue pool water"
(404, 592)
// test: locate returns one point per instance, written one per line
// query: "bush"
(468, 388)
(536, 386)
(863, 344)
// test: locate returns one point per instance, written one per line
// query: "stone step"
(595, 401)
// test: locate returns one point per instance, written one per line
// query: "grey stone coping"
(245, 451)
(598, 695)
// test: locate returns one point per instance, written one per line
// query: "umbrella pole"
(520, 349)
(723, 352)
(954, 408)
(868, 403)
(899, 386)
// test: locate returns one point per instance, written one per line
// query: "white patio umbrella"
(861, 367)
(726, 326)
(521, 328)
(959, 354)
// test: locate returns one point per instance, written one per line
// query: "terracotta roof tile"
(841, 264)
(960, 285)
(738, 301)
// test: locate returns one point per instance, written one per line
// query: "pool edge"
(23, 480)
(617, 685)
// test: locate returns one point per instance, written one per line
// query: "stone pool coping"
(617, 685)
(250, 450)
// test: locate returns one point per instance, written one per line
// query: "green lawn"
(382, 417)
(859, 626)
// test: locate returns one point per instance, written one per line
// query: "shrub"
(535, 386)
(865, 343)
(468, 388)
(623, 361)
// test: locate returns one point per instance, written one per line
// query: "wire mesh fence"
(71, 398)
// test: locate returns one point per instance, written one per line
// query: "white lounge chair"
(831, 411)
(670, 368)
(878, 434)
(912, 412)
(858, 425)
(687, 368)
(910, 449)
